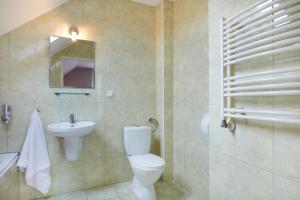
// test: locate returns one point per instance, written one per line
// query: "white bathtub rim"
(10, 163)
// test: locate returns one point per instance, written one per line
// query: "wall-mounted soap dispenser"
(6, 113)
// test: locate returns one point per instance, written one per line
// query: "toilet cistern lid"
(147, 160)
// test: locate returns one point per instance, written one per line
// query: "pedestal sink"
(72, 133)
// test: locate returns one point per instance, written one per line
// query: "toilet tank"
(137, 140)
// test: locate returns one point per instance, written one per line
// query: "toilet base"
(143, 192)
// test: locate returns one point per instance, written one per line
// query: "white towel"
(34, 158)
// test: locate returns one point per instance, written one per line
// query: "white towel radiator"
(265, 28)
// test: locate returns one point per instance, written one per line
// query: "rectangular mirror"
(72, 63)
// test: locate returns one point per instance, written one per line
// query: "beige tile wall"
(191, 95)
(9, 185)
(159, 76)
(164, 82)
(261, 160)
(168, 86)
(3, 63)
(125, 62)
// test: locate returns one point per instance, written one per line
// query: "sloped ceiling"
(14, 13)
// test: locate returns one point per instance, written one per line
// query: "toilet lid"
(147, 160)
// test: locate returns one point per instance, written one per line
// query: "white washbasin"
(72, 134)
(67, 129)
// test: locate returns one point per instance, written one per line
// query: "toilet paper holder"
(154, 122)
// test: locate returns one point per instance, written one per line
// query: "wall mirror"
(72, 63)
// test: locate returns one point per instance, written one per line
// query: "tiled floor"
(122, 191)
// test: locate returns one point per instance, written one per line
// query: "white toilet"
(146, 167)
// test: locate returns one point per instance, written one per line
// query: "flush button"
(109, 93)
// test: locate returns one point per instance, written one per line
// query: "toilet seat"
(147, 161)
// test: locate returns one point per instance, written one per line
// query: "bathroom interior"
(150, 99)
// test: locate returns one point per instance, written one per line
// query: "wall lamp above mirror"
(74, 32)
(72, 63)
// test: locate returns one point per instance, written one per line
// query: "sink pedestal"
(72, 134)
(72, 147)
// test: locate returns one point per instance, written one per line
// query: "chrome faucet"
(72, 118)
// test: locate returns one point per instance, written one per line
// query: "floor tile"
(102, 193)
(122, 191)
(80, 195)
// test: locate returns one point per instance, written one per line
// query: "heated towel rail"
(265, 28)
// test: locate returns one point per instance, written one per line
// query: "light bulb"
(74, 36)
(74, 32)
